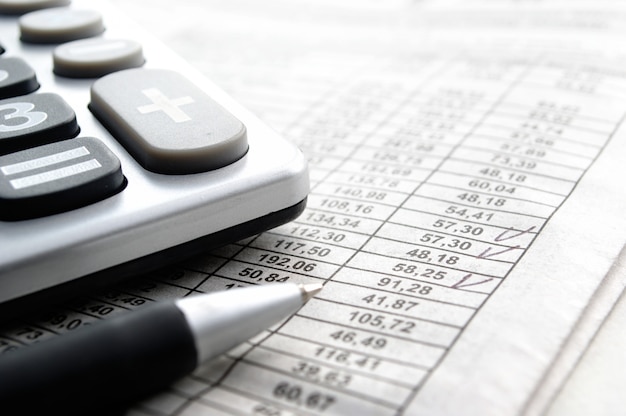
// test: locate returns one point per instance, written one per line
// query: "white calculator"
(116, 157)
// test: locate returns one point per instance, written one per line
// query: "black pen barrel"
(94, 370)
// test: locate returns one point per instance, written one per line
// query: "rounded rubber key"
(16, 78)
(57, 177)
(35, 119)
(93, 58)
(59, 24)
(166, 122)
(15, 7)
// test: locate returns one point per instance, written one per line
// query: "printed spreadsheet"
(463, 213)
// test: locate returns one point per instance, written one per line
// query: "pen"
(116, 362)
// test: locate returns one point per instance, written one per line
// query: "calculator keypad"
(44, 168)
(164, 121)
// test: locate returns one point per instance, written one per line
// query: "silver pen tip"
(310, 290)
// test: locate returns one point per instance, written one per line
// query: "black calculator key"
(16, 78)
(91, 58)
(15, 7)
(57, 177)
(35, 119)
(167, 123)
(60, 24)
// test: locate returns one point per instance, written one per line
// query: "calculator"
(117, 157)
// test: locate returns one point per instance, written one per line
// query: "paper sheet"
(466, 205)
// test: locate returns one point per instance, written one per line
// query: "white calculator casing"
(157, 218)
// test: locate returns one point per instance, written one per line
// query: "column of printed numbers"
(379, 314)
(364, 193)
(412, 260)
(525, 157)
(351, 203)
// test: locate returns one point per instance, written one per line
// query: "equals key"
(57, 177)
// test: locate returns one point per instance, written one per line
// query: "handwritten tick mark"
(465, 278)
(487, 253)
(514, 233)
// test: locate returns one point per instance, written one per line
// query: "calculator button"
(57, 177)
(35, 119)
(16, 78)
(167, 123)
(15, 7)
(60, 24)
(91, 58)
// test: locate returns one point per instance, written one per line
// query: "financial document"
(466, 213)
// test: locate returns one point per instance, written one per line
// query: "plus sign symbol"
(170, 106)
(167, 123)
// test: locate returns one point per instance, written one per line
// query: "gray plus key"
(166, 122)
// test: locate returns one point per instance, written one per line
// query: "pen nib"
(310, 290)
